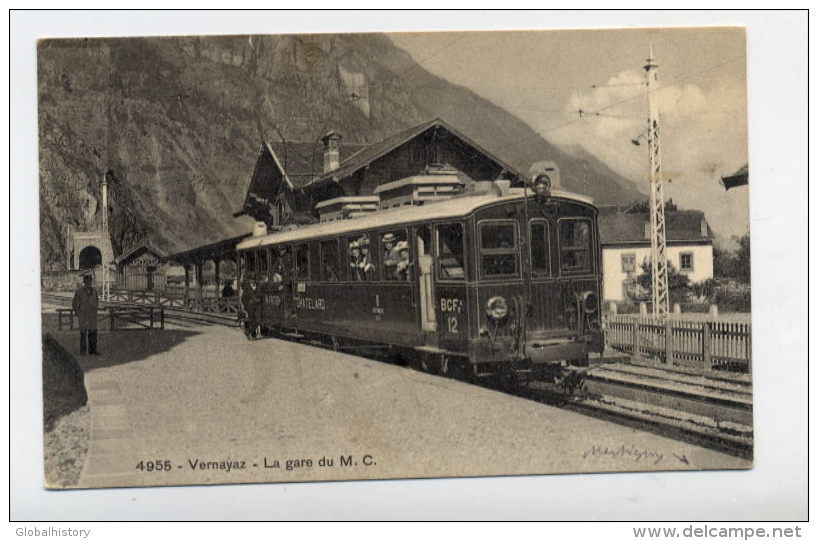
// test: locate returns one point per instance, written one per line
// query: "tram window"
(302, 263)
(360, 260)
(451, 263)
(498, 249)
(330, 261)
(575, 246)
(249, 266)
(263, 264)
(396, 260)
(281, 264)
(540, 253)
(315, 260)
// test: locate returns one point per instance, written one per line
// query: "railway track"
(712, 412)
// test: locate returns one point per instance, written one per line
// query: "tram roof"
(450, 208)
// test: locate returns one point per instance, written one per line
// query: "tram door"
(428, 317)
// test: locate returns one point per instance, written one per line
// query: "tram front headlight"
(541, 185)
(497, 308)
(589, 301)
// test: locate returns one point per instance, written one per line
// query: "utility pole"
(658, 239)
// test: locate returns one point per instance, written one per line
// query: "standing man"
(253, 304)
(85, 305)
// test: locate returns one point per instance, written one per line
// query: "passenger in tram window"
(390, 256)
(283, 275)
(330, 274)
(282, 268)
(355, 261)
(367, 269)
(404, 263)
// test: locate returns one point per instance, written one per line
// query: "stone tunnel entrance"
(90, 257)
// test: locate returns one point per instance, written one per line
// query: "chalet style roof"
(133, 252)
(290, 164)
(680, 226)
(304, 160)
(369, 154)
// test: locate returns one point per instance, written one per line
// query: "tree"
(724, 263)
(678, 283)
(743, 258)
(733, 265)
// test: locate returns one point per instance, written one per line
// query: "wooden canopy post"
(239, 274)
(216, 262)
(187, 285)
(199, 279)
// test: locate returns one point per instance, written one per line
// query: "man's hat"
(402, 245)
(389, 237)
(354, 244)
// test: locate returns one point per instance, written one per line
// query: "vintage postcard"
(308, 257)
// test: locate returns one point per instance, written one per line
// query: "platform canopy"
(221, 250)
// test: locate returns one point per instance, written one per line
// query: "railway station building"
(296, 183)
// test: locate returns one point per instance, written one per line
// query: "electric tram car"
(506, 281)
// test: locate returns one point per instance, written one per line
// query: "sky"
(545, 77)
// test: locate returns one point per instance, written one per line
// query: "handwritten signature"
(624, 451)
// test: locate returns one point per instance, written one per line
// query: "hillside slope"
(178, 122)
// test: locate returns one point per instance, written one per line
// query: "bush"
(733, 297)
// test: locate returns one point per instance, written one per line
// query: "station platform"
(213, 407)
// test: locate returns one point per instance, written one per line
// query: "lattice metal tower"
(658, 239)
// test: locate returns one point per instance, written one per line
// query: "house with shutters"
(625, 239)
(296, 183)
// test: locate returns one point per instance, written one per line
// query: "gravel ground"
(199, 398)
(66, 417)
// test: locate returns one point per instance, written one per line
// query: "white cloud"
(703, 135)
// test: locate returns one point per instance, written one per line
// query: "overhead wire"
(619, 102)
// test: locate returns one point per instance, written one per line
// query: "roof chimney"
(705, 231)
(332, 153)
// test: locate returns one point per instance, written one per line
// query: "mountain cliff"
(177, 123)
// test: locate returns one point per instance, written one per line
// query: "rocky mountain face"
(177, 124)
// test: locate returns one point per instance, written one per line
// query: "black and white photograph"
(273, 258)
(294, 257)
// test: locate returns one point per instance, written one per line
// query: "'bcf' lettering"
(451, 305)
